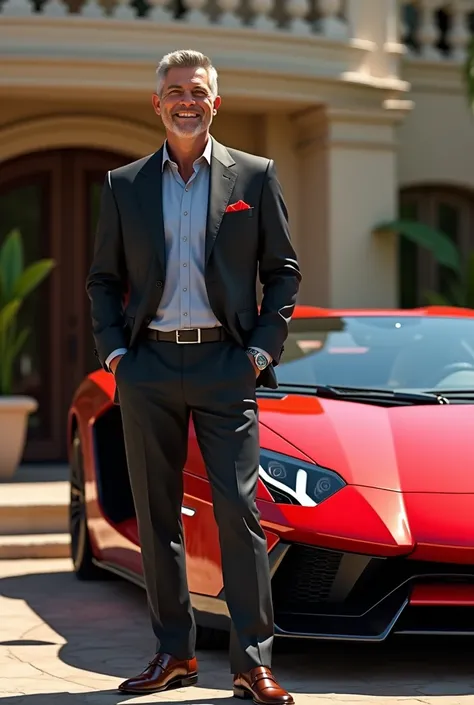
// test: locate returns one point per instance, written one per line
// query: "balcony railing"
(325, 18)
(437, 31)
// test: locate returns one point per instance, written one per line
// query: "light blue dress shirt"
(184, 303)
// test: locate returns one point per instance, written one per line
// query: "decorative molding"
(242, 90)
(380, 82)
(378, 116)
(73, 38)
(366, 145)
(92, 132)
(434, 76)
(348, 129)
(395, 49)
(92, 55)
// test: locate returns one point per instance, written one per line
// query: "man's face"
(186, 105)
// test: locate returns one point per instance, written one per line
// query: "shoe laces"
(156, 661)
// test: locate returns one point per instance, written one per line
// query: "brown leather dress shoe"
(261, 686)
(162, 673)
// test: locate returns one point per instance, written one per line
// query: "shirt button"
(185, 288)
(185, 265)
(159, 284)
(185, 314)
(185, 239)
(185, 212)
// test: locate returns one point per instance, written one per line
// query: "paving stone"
(71, 643)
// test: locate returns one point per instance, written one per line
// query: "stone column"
(274, 138)
(278, 143)
(348, 185)
(311, 141)
(378, 22)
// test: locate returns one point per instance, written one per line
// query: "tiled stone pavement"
(69, 643)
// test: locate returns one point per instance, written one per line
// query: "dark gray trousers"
(160, 385)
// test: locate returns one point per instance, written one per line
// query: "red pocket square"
(239, 206)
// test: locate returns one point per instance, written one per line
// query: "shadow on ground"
(103, 628)
(105, 697)
(39, 472)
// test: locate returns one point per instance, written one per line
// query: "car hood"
(404, 448)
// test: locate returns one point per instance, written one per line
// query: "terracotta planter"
(14, 412)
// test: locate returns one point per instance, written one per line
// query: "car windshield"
(384, 352)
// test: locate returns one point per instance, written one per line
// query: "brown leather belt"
(189, 336)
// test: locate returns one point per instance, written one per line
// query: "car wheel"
(208, 639)
(81, 549)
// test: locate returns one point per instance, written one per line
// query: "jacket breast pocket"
(239, 220)
(245, 213)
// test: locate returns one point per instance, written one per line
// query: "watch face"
(261, 361)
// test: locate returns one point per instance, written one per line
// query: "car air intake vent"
(304, 579)
(281, 498)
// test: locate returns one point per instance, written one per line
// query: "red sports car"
(366, 485)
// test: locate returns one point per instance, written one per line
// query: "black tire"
(81, 549)
(208, 639)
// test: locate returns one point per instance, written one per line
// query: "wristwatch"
(261, 361)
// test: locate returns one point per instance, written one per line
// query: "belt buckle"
(188, 342)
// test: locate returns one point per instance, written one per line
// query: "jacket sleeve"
(279, 271)
(106, 282)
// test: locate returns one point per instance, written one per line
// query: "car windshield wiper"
(357, 393)
(454, 393)
(415, 397)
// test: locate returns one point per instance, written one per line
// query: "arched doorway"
(53, 197)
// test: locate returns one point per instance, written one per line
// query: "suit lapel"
(222, 180)
(148, 188)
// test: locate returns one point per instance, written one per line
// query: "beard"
(185, 127)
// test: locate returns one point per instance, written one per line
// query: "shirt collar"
(205, 155)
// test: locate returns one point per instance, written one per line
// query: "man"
(182, 233)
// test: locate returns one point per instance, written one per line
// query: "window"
(449, 210)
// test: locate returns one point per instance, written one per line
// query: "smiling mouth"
(187, 116)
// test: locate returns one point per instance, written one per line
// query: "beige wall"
(436, 142)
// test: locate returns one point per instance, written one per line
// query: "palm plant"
(461, 291)
(16, 283)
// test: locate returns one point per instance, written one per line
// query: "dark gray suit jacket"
(130, 254)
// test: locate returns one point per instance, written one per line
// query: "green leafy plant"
(16, 283)
(461, 290)
(469, 74)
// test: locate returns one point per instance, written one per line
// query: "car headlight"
(292, 481)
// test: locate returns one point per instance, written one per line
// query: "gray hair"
(186, 58)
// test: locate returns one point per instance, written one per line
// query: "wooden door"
(89, 169)
(53, 198)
